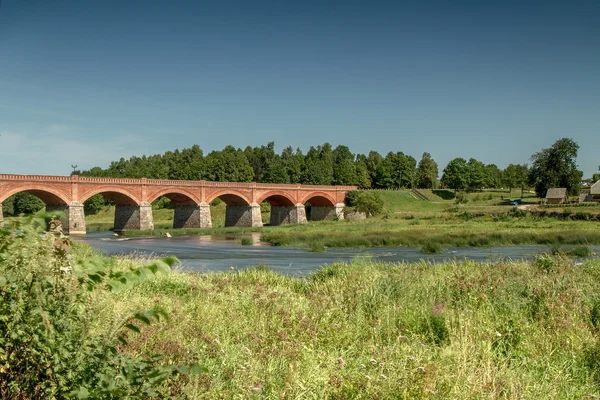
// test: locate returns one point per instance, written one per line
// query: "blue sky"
(87, 82)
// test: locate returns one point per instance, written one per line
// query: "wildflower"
(256, 388)
(373, 361)
(498, 334)
(363, 366)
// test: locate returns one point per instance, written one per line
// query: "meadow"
(484, 219)
(363, 330)
(369, 330)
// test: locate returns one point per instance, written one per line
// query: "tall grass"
(371, 330)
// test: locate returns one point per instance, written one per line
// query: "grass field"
(366, 330)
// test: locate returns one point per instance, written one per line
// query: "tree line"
(326, 165)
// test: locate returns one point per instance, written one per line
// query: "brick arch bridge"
(133, 198)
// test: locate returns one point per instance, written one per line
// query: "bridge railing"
(167, 182)
(37, 178)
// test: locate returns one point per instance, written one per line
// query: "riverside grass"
(406, 221)
(508, 330)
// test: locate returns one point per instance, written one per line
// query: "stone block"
(248, 216)
(282, 215)
(133, 217)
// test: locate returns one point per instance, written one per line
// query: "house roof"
(595, 188)
(556, 193)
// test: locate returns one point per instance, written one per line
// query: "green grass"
(372, 330)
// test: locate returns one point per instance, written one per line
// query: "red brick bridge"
(133, 199)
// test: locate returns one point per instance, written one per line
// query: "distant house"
(595, 191)
(586, 197)
(557, 196)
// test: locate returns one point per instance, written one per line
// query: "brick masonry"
(134, 196)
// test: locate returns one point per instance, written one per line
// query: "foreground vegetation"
(365, 330)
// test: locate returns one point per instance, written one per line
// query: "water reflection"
(206, 253)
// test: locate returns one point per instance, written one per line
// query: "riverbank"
(373, 330)
(447, 229)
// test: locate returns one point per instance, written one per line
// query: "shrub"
(48, 348)
(431, 248)
(246, 241)
(461, 198)
(369, 202)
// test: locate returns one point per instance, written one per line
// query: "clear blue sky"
(86, 82)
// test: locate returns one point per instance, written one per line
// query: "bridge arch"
(277, 198)
(177, 196)
(230, 197)
(47, 194)
(118, 195)
(319, 199)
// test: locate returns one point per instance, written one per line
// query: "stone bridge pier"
(249, 216)
(282, 215)
(135, 217)
(192, 216)
(327, 213)
(72, 217)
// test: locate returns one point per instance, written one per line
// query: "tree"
(556, 167)
(595, 177)
(477, 177)
(427, 172)
(363, 179)
(372, 161)
(276, 172)
(385, 174)
(456, 174)
(509, 177)
(25, 203)
(94, 204)
(318, 166)
(493, 175)
(229, 165)
(293, 163)
(344, 170)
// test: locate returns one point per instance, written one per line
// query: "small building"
(595, 191)
(557, 196)
(586, 197)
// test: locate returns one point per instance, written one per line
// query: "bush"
(431, 248)
(246, 241)
(48, 348)
(369, 202)
(461, 198)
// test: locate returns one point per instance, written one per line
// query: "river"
(221, 253)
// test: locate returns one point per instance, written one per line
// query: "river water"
(221, 253)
